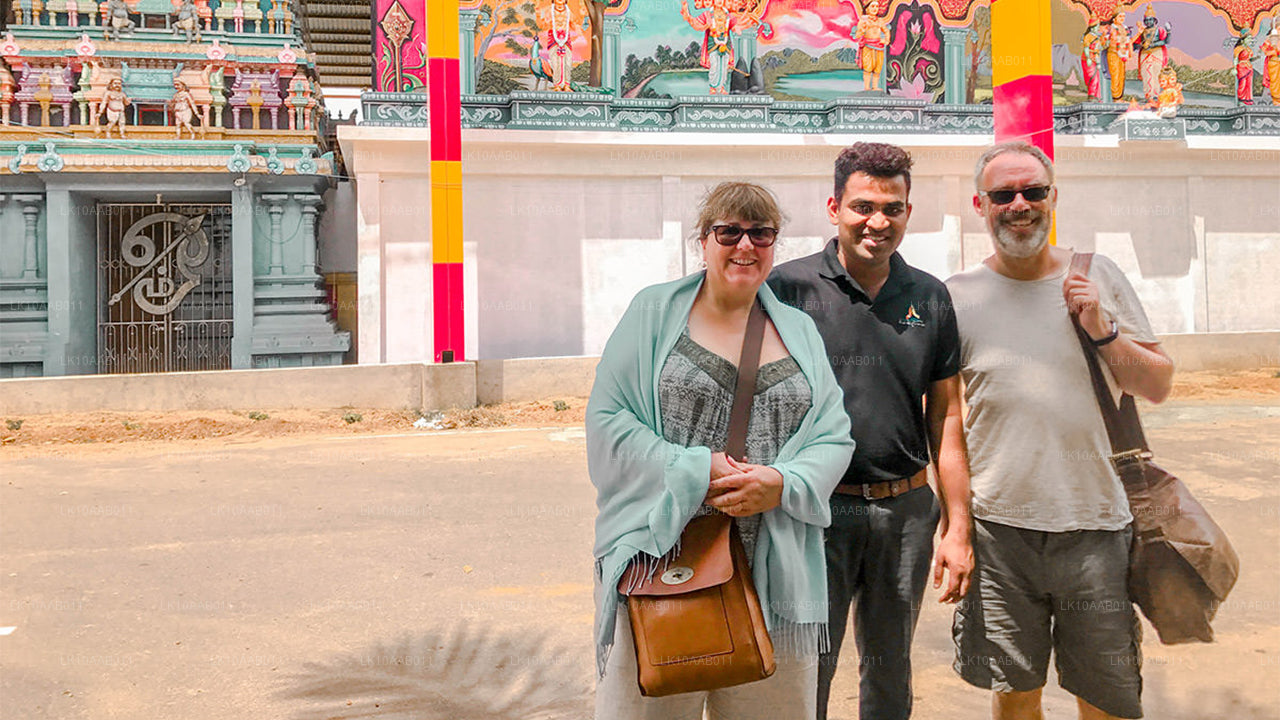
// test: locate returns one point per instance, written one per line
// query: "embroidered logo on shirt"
(912, 319)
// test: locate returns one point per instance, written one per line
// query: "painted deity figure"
(118, 21)
(871, 33)
(1091, 58)
(1244, 70)
(184, 109)
(1170, 97)
(188, 21)
(717, 42)
(1119, 45)
(1271, 65)
(1153, 53)
(114, 102)
(559, 21)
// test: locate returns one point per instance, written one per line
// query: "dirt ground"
(113, 427)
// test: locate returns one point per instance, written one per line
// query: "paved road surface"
(449, 576)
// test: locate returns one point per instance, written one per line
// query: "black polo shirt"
(884, 353)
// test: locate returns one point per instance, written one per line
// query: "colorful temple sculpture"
(162, 167)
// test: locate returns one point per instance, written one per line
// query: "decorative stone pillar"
(954, 67)
(310, 204)
(31, 205)
(467, 20)
(611, 74)
(275, 208)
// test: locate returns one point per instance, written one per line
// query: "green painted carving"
(274, 163)
(15, 165)
(306, 165)
(239, 160)
(50, 161)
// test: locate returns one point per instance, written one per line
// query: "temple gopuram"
(163, 171)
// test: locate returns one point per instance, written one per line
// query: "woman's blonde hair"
(743, 201)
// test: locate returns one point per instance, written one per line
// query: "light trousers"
(790, 693)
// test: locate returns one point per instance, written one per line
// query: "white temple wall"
(562, 229)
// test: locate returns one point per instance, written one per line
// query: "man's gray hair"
(1010, 146)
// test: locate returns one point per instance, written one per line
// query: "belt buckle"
(866, 491)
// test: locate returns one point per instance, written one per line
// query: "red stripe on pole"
(447, 309)
(1024, 111)
(445, 109)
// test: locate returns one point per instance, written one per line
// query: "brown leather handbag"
(1181, 565)
(697, 621)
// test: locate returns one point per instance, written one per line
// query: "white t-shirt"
(1039, 454)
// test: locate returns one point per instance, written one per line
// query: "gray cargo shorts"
(1033, 592)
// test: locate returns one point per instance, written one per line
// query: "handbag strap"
(1124, 428)
(748, 363)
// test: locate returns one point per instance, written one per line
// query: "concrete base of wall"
(523, 379)
(414, 386)
(408, 386)
(1192, 352)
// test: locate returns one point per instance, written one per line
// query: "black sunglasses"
(732, 234)
(1035, 193)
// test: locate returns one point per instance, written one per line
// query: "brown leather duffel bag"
(696, 619)
(1182, 565)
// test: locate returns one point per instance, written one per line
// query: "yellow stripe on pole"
(442, 28)
(446, 211)
(1021, 38)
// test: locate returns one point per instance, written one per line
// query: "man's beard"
(1019, 245)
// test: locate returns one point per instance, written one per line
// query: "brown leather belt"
(882, 490)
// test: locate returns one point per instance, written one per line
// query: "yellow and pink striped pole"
(445, 115)
(1022, 71)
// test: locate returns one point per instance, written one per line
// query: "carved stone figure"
(184, 110)
(114, 102)
(117, 20)
(188, 21)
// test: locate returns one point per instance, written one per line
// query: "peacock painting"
(537, 66)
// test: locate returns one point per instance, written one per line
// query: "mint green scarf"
(648, 488)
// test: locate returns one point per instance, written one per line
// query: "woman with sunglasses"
(657, 423)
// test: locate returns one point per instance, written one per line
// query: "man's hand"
(750, 490)
(1081, 295)
(954, 553)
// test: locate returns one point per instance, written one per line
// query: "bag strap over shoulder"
(1124, 428)
(744, 394)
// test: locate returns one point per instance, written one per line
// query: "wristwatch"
(1110, 337)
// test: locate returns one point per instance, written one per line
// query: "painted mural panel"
(1216, 50)
(400, 45)
(819, 50)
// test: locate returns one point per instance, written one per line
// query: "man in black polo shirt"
(891, 337)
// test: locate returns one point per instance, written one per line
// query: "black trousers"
(878, 557)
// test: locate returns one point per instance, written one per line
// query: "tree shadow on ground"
(459, 673)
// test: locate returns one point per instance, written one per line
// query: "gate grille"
(164, 288)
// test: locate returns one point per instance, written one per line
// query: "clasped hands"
(740, 489)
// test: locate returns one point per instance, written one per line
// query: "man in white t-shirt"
(1051, 535)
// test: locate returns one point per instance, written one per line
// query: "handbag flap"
(703, 561)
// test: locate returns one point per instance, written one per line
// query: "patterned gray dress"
(695, 391)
